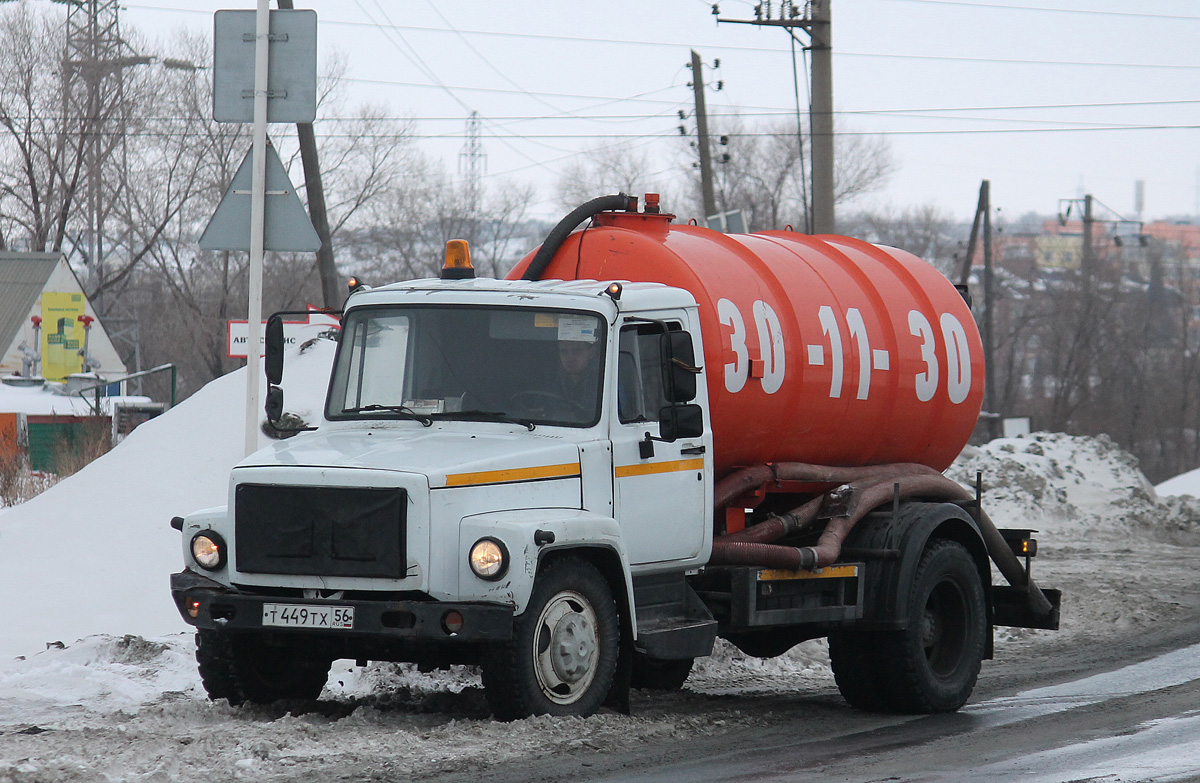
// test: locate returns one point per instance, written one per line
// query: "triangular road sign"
(286, 226)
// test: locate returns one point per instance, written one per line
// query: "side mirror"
(680, 421)
(274, 404)
(679, 367)
(274, 350)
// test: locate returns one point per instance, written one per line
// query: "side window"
(639, 373)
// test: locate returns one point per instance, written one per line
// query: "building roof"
(22, 278)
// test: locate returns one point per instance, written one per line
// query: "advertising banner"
(62, 334)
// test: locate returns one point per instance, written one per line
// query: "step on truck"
(648, 436)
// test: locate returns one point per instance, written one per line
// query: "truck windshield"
(472, 363)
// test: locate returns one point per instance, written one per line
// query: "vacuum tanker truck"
(649, 436)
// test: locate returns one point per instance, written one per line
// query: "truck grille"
(320, 531)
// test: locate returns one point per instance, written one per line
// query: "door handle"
(692, 450)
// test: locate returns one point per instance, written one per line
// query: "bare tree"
(41, 165)
(925, 231)
(604, 169)
(759, 171)
(427, 208)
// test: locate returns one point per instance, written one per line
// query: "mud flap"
(618, 693)
(1012, 608)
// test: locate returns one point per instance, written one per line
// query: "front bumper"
(205, 603)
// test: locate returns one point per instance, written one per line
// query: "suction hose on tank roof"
(560, 232)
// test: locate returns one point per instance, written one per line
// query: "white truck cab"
(480, 437)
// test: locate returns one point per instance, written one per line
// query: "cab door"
(661, 490)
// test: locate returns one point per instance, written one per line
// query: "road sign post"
(294, 100)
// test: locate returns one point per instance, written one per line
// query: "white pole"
(262, 42)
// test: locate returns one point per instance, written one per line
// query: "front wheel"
(246, 668)
(932, 665)
(564, 651)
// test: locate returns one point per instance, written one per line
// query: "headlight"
(489, 559)
(208, 549)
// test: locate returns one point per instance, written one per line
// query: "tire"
(854, 658)
(564, 651)
(245, 668)
(653, 674)
(932, 665)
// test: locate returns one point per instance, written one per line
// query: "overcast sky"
(1048, 99)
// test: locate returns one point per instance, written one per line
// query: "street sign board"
(285, 224)
(294, 333)
(291, 66)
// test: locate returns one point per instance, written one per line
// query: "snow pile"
(1068, 486)
(1183, 484)
(108, 674)
(93, 554)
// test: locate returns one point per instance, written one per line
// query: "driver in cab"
(577, 379)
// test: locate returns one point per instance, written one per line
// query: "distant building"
(43, 286)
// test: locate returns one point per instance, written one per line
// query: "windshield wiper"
(403, 410)
(478, 415)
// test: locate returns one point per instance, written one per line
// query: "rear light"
(193, 608)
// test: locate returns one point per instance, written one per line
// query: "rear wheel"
(246, 668)
(564, 652)
(854, 658)
(932, 665)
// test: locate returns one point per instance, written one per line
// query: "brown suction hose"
(864, 489)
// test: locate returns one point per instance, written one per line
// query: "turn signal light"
(458, 261)
(193, 608)
(452, 621)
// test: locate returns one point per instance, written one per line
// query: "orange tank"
(819, 349)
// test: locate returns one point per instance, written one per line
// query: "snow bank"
(1068, 485)
(1183, 484)
(94, 553)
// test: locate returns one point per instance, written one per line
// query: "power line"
(674, 133)
(433, 7)
(681, 45)
(1088, 11)
(504, 91)
(670, 107)
(1007, 61)
(1031, 106)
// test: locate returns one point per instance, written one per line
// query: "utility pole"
(989, 301)
(818, 24)
(472, 162)
(1087, 261)
(706, 174)
(821, 117)
(94, 69)
(983, 217)
(314, 188)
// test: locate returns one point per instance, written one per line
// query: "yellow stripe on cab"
(565, 470)
(671, 466)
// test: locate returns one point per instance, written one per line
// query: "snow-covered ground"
(44, 400)
(89, 635)
(92, 554)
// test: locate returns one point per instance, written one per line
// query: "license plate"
(300, 616)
